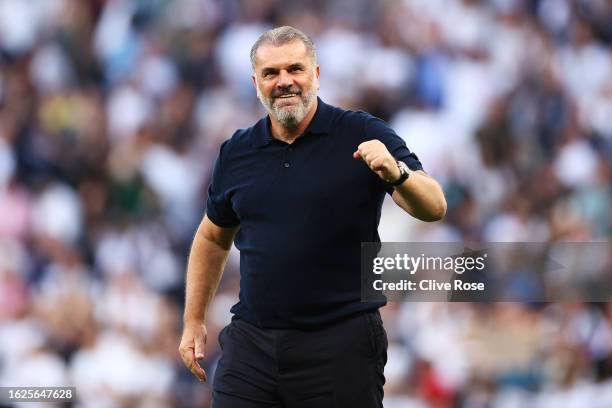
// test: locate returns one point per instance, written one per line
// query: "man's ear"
(254, 80)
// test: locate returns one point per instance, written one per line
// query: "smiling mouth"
(286, 96)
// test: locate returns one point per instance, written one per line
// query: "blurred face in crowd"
(287, 80)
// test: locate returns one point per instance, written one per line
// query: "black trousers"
(338, 366)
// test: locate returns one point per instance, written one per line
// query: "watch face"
(404, 173)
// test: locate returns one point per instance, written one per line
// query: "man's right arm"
(207, 258)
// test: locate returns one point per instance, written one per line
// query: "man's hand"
(192, 348)
(375, 154)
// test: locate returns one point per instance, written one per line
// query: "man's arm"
(420, 195)
(207, 258)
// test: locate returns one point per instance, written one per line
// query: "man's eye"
(268, 74)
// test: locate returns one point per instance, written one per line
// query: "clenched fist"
(375, 154)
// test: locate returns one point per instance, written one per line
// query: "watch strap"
(404, 174)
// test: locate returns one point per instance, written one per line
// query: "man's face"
(287, 81)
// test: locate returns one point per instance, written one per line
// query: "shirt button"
(286, 165)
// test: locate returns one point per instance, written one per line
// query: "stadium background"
(111, 114)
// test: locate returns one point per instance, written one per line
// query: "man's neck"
(288, 135)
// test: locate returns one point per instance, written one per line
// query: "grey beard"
(290, 117)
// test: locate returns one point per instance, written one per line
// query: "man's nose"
(284, 79)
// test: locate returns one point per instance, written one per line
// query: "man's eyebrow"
(268, 70)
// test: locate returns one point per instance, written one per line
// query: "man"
(300, 190)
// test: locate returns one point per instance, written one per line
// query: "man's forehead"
(290, 53)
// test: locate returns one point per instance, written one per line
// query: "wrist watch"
(404, 174)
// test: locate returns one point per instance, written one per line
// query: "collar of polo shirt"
(320, 124)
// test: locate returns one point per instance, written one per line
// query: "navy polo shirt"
(303, 210)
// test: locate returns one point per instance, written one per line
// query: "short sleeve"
(219, 206)
(376, 128)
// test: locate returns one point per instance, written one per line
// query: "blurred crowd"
(111, 115)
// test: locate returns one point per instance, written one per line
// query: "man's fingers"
(198, 371)
(368, 157)
(189, 359)
(199, 347)
(377, 167)
(192, 348)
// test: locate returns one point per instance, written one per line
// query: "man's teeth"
(287, 96)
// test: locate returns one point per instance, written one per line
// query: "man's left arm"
(419, 195)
